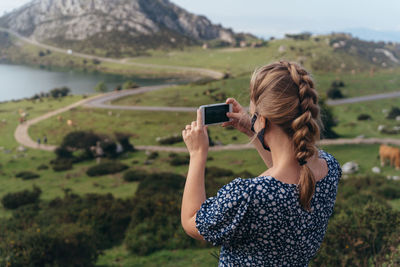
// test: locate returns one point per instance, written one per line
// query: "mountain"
(374, 35)
(124, 26)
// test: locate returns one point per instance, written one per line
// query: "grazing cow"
(60, 118)
(390, 153)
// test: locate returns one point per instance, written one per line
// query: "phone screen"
(216, 114)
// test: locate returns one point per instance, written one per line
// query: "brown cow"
(390, 153)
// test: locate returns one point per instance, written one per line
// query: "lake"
(20, 81)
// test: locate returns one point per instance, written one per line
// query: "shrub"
(106, 168)
(27, 175)
(328, 120)
(18, 199)
(80, 140)
(363, 117)
(42, 167)
(63, 152)
(129, 85)
(101, 87)
(109, 148)
(56, 245)
(60, 165)
(217, 172)
(123, 139)
(366, 233)
(153, 155)
(170, 140)
(393, 113)
(135, 175)
(155, 220)
(179, 160)
(334, 93)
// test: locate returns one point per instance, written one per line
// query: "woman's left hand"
(195, 136)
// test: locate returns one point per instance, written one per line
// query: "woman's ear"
(263, 122)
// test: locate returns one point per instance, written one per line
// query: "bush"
(366, 233)
(18, 199)
(60, 92)
(42, 167)
(80, 140)
(129, 85)
(170, 140)
(101, 87)
(334, 93)
(155, 220)
(217, 172)
(393, 113)
(363, 117)
(123, 139)
(56, 245)
(135, 175)
(106, 168)
(179, 160)
(27, 175)
(153, 155)
(328, 121)
(60, 165)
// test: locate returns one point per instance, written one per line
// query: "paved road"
(198, 71)
(363, 98)
(103, 101)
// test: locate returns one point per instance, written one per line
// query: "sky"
(266, 18)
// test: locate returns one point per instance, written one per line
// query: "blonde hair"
(283, 92)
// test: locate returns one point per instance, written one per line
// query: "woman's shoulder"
(335, 169)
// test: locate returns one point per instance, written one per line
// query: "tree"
(101, 87)
(328, 120)
(129, 85)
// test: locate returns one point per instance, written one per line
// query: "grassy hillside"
(318, 54)
(193, 95)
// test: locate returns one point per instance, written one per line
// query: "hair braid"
(306, 130)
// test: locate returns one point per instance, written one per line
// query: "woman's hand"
(195, 136)
(240, 118)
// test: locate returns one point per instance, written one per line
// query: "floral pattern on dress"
(260, 222)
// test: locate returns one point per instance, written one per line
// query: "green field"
(193, 95)
(144, 126)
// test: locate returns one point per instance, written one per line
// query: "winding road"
(103, 101)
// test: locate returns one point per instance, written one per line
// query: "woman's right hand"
(240, 118)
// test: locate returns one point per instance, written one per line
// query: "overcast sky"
(267, 18)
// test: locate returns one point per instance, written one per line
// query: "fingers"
(229, 123)
(235, 105)
(234, 115)
(199, 118)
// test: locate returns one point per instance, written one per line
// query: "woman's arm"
(196, 140)
(241, 121)
(194, 194)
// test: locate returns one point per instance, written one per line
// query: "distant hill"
(113, 28)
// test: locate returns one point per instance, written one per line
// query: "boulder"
(350, 167)
(376, 169)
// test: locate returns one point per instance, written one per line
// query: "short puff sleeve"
(220, 218)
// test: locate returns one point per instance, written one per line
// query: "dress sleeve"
(221, 217)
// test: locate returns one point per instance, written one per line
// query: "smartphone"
(215, 113)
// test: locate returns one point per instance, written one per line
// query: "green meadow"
(144, 126)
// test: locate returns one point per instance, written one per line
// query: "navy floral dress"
(260, 222)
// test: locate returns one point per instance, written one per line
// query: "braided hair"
(283, 92)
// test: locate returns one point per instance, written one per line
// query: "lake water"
(19, 81)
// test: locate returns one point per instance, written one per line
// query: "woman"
(280, 217)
